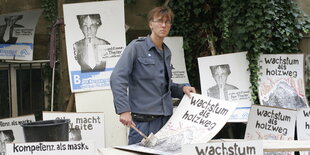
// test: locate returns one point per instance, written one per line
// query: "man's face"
(220, 76)
(12, 20)
(160, 26)
(89, 27)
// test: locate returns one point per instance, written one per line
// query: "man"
(144, 68)
(7, 30)
(86, 51)
(220, 90)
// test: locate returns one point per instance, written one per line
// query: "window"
(22, 88)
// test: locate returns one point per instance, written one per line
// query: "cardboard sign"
(270, 123)
(17, 32)
(224, 78)
(282, 81)
(303, 126)
(82, 126)
(11, 131)
(179, 73)
(51, 148)
(196, 120)
(244, 147)
(93, 55)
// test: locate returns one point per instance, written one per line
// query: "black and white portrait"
(220, 73)
(7, 30)
(87, 51)
(6, 136)
(75, 134)
(226, 77)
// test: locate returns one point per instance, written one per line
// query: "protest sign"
(51, 148)
(179, 73)
(271, 123)
(93, 53)
(216, 148)
(196, 120)
(303, 126)
(11, 131)
(282, 81)
(222, 77)
(82, 126)
(17, 32)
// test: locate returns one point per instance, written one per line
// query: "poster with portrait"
(226, 77)
(11, 131)
(83, 126)
(282, 81)
(17, 34)
(95, 39)
(271, 123)
(179, 73)
(303, 126)
(196, 120)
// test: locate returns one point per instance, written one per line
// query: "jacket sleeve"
(120, 77)
(176, 90)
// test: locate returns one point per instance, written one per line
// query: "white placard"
(179, 73)
(91, 61)
(196, 120)
(270, 123)
(17, 32)
(226, 77)
(11, 131)
(82, 126)
(244, 147)
(282, 81)
(51, 148)
(303, 126)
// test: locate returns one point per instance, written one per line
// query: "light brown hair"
(162, 11)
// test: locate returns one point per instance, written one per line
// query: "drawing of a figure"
(6, 136)
(285, 96)
(220, 74)
(7, 30)
(87, 51)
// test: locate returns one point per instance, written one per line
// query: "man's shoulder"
(139, 40)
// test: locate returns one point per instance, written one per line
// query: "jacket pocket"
(146, 68)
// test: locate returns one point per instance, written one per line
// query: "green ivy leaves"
(256, 26)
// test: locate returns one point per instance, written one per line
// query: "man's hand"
(188, 90)
(126, 119)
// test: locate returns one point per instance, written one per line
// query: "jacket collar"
(151, 45)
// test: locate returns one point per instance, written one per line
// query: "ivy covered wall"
(225, 26)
